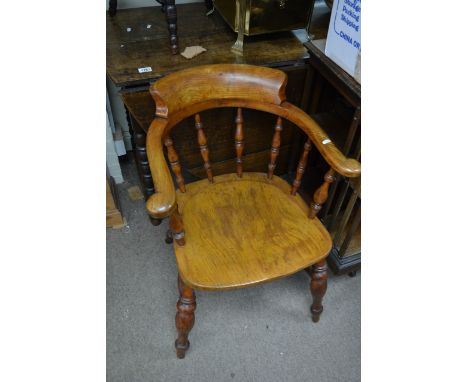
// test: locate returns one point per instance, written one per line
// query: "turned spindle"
(239, 141)
(301, 167)
(203, 144)
(275, 145)
(175, 165)
(321, 194)
(176, 226)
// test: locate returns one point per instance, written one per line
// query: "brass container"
(266, 16)
(263, 16)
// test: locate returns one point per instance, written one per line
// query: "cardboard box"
(344, 36)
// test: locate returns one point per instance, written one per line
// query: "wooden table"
(147, 47)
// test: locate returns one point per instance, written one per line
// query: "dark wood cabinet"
(335, 103)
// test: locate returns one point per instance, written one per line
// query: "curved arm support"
(162, 203)
(345, 166)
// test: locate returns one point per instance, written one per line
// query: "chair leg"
(185, 318)
(168, 238)
(318, 287)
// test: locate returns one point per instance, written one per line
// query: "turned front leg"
(185, 318)
(318, 287)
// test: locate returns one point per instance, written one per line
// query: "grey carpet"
(262, 333)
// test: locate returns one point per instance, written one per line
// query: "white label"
(145, 70)
(148, 26)
(326, 141)
(129, 29)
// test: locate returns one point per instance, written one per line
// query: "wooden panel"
(243, 231)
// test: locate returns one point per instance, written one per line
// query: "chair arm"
(162, 203)
(345, 166)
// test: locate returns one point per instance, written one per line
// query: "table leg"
(171, 18)
(141, 160)
(112, 7)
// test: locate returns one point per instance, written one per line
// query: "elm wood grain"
(185, 317)
(203, 143)
(244, 231)
(239, 141)
(275, 146)
(178, 92)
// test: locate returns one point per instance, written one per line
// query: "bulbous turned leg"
(318, 287)
(185, 318)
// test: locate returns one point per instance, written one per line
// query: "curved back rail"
(188, 92)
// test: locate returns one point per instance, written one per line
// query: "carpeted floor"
(262, 333)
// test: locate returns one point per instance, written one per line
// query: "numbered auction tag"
(145, 70)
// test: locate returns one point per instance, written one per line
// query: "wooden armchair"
(241, 229)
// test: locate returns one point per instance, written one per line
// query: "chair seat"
(243, 231)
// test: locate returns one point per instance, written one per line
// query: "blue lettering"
(345, 37)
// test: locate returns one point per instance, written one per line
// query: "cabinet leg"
(171, 18)
(112, 7)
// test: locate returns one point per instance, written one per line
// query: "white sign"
(344, 35)
(145, 69)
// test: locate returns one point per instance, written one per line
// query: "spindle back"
(188, 92)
